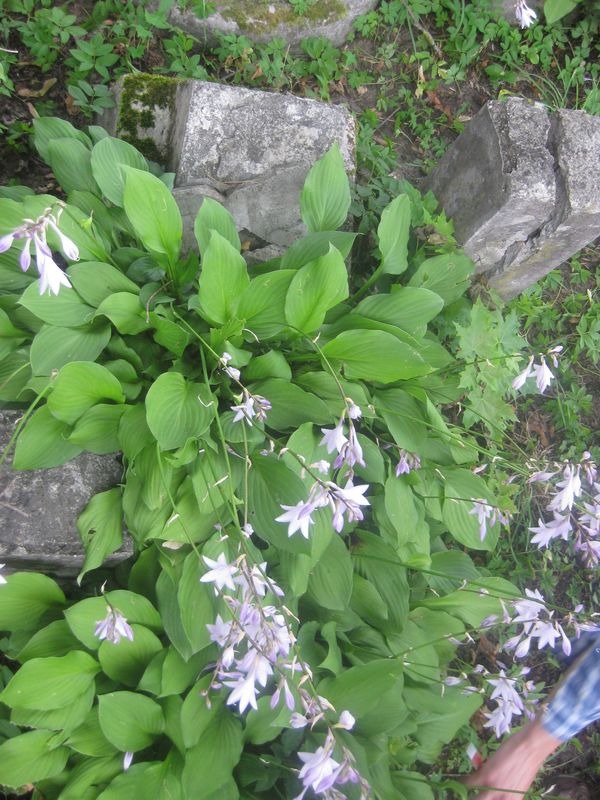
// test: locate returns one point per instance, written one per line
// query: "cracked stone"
(39, 509)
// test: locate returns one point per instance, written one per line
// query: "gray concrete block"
(497, 180)
(39, 509)
(523, 188)
(264, 20)
(575, 142)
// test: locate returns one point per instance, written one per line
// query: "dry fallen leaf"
(46, 86)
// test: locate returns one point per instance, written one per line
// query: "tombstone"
(39, 509)
(250, 150)
(522, 185)
(264, 20)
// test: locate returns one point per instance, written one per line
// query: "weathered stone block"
(264, 20)
(39, 509)
(497, 180)
(249, 149)
(523, 188)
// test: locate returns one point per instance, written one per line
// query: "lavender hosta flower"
(233, 372)
(221, 573)
(334, 438)
(299, 517)
(321, 772)
(525, 15)
(347, 502)
(541, 372)
(589, 468)
(254, 406)
(570, 488)
(487, 514)
(560, 527)
(354, 411)
(113, 627)
(407, 463)
(51, 275)
(350, 452)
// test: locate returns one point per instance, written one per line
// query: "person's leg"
(575, 704)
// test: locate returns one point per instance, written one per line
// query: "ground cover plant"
(414, 75)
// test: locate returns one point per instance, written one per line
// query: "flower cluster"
(581, 523)
(537, 623)
(407, 463)
(113, 627)
(253, 407)
(345, 503)
(525, 16)
(487, 514)
(257, 650)
(510, 702)
(541, 372)
(35, 232)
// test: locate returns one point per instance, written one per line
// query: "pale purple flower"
(525, 15)
(347, 501)
(346, 721)
(350, 452)
(570, 489)
(220, 631)
(233, 372)
(221, 573)
(321, 466)
(334, 438)
(127, 759)
(113, 627)
(298, 517)
(519, 381)
(543, 375)
(354, 411)
(484, 512)
(320, 770)
(254, 406)
(541, 476)
(408, 462)
(51, 275)
(546, 532)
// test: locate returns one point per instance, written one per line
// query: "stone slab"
(497, 180)
(575, 222)
(250, 150)
(39, 509)
(523, 187)
(264, 20)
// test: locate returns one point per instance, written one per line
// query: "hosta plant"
(299, 506)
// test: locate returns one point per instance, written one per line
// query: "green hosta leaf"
(405, 419)
(53, 347)
(153, 213)
(325, 198)
(43, 443)
(83, 616)
(272, 364)
(45, 683)
(473, 602)
(212, 216)
(223, 278)
(129, 721)
(447, 275)
(196, 603)
(47, 129)
(25, 598)
(54, 639)
(70, 162)
(330, 583)
(557, 9)
(393, 233)
(125, 662)
(101, 529)
(89, 774)
(107, 157)
(97, 429)
(359, 688)
(148, 779)
(177, 409)
(377, 560)
(66, 718)
(291, 405)
(375, 356)
(315, 288)
(271, 483)
(453, 567)
(315, 245)
(88, 738)
(461, 487)
(407, 308)
(123, 309)
(80, 385)
(67, 309)
(134, 433)
(31, 757)
(169, 334)
(95, 281)
(262, 304)
(209, 764)
(196, 714)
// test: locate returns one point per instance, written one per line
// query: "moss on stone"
(256, 16)
(141, 95)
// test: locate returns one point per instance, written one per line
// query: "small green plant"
(90, 99)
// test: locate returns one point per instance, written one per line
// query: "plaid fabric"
(576, 702)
